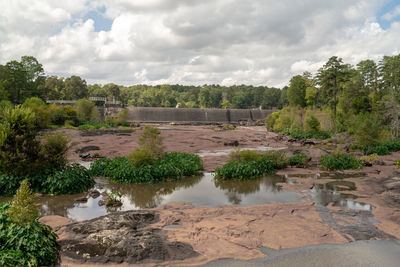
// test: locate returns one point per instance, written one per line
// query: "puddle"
(339, 186)
(200, 191)
(226, 152)
(327, 175)
(325, 197)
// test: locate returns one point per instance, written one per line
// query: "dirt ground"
(238, 232)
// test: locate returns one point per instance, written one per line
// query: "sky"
(196, 42)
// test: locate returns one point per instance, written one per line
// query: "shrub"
(368, 130)
(244, 170)
(298, 160)
(85, 109)
(312, 125)
(123, 116)
(142, 156)
(9, 184)
(384, 148)
(340, 161)
(54, 150)
(23, 210)
(277, 157)
(369, 159)
(152, 140)
(69, 180)
(42, 114)
(19, 148)
(29, 244)
(397, 163)
(172, 166)
(244, 155)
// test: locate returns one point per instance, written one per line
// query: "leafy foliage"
(29, 244)
(277, 157)
(172, 166)
(384, 148)
(54, 150)
(69, 180)
(152, 141)
(142, 156)
(299, 160)
(340, 161)
(243, 170)
(243, 155)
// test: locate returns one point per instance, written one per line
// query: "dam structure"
(196, 115)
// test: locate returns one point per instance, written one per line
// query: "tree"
(54, 87)
(271, 98)
(75, 88)
(297, 91)
(389, 69)
(311, 95)
(86, 110)
(23, 208)
(113, 91)
(15, 79)
(330, 78)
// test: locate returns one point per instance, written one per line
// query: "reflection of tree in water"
(151, 195)
(57, 205)
(235, 189)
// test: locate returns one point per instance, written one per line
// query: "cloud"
(392, 14)
(193, 42)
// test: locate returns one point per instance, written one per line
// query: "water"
(200, 191)
(226, 152)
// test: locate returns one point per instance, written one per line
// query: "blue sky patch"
(389, 6)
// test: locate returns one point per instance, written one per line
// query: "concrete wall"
(195, 115)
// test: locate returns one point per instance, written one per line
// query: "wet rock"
(232, 143)
(94, 193)
(86, 149)
(308, 143)
(81, 199)
(121, 237)
(85, 156)
(101, 202)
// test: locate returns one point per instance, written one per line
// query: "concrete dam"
(196, 115)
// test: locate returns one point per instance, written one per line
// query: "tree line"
(366, 87)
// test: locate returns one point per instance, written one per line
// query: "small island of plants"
(148, 163)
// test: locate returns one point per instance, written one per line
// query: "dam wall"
(196, 115)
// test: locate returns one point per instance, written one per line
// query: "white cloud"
(392, 14)
(194, 42)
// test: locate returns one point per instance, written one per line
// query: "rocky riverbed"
(353, 205)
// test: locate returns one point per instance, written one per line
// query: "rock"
(101, 202)
(85, 156)
(121, 237)
(81, 199)
(54, 221)
(94, 193)
(308, 142)
(39, 195)
(86, 149)
(232, 143)
(114, 204)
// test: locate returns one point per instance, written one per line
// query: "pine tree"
(23, 209)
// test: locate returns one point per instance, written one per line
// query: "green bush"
(172, 166)
(312, 125)
(339, 161)
(86, 110)
(69, 180)
(244, 170)
(142, 156)
(277, 157)
(42, 114)
(384, 148)
(54, 150)
(244, 155)
(151, 139)
(367, 130)
(29, 244)
(23, 209)
(298, 160)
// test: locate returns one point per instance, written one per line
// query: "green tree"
(113, 91)
(297, 91)
(86, 110)
(311, 95)
(331, 78)
(54, 87)
(75, 88)
(23, 208)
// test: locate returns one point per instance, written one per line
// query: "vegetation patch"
(171, 166)
(43, 162)
(23, 240)
(341, 161)
(383, 148)
(298, 160)
(247, 164)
